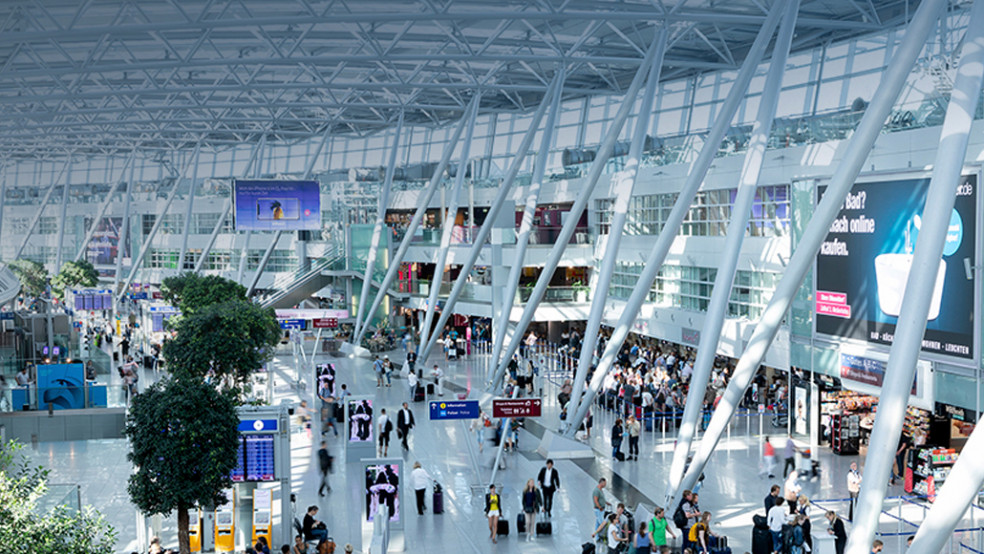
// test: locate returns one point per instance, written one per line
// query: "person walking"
(617, 440)
(324, 463)
(388, 370)
(853, 488)
(549, 481)
(789, 455)
(377, 367)
(411, 359)
(419, 478)
(658, 528)
(532, 501)
(385, 428)
(768, 459)
(404, 422)
(493, 512)
(412, 383)
(633, 427)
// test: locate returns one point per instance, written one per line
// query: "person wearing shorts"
(493, 511)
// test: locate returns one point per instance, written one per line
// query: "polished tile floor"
(450, 453)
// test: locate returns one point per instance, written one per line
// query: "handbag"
(405, 370)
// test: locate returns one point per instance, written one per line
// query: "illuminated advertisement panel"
(277, 205)
(864, 263)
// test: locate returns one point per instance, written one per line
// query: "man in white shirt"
(776, 519)
(385, 427)
(549, 481)
(853, 488)
(23, 378)
(412, 382)
(438, 374)
(419, 478)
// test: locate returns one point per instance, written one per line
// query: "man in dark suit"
(549, 480)
(404, 422)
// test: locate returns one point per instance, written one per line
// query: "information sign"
(516, 407)
(325, 323)
(455, 409)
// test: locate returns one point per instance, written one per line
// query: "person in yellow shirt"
(492, 511)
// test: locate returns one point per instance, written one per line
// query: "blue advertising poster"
(61, 386)
(277, 205)
(864, 263)
(458, 409)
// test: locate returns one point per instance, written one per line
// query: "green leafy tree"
(61, 530)
(227, 341)
(190, 292)
(33, 276)
(184, 439)
(74, 274)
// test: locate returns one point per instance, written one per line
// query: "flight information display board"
(259, 458)
(255, 459)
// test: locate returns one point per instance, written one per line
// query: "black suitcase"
(620, 456)
(430, 389)
(588, 548)
(437, 502)
(418, 394)
(520, 522)
(502, 529)
(544, 527)
(761, 540)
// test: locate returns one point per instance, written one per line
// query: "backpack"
(388, 427)
(788, 540)
(680, 518)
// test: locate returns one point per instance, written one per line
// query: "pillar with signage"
(360, 431)
(225, 524)
(262, 474)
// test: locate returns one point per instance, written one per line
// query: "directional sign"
(325, 322)
(516, 407)
(291, 323)
(454, 409)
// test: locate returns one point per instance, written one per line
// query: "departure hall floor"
(450, 453)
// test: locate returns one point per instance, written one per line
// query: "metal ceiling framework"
(97, 77)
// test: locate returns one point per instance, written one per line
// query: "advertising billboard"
(863, 265)
(277, 205)
(105, 243)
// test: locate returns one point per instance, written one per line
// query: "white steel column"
(188, 213)
(552, 98)
(923, 22)
(422, 202)
(61, 221)
(911, 325)
(666, 236)
(717, 308)
(105, 204)
(135, 266)
(450, 218)
(3, 200)
(560, 246)
(257, 172)
(40, 211)
(522, 239)
(377, 230)
(623, 184)
(124, 231)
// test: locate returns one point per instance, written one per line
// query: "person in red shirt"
(768, 459)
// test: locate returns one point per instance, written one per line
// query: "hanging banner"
(862, 267)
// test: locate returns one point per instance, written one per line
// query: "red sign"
(157, 295)
(325, 323)
(518, 407)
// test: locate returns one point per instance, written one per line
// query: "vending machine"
(263, 514)
(195, 530)
(225, 525)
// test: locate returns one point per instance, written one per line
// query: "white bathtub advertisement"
(864, 263)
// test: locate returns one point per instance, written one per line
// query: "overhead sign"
(257, 425)
(291, 323)
(863, 370)
(516, 407)
(864, 264)
(310, 313)
(325, 323)
(277, 205)
(456, 409)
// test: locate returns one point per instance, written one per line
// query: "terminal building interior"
(449, 276)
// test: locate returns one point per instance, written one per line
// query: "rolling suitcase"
(620, 456)
(430, 389)
(502, 529)
(544, 527)
(437, 501)
(520, 522)
(418, 394)
(588, 548)
(761, 540)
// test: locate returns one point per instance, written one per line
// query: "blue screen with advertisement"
(863, 266)
(277, 205)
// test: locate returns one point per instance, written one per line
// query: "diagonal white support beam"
(505, 190)
(622, 186)
(40, 210)
(3, 200)
(124, 235)
(893, 79)
(254, 155)
(189, 211)
(244, 251)
(717, 309)
(377, 230)
(418, 215)
(550, 265)
(105, 204)
(61, 221)
(918, 295)
(145, 247)
(680, 209)
(449, 219)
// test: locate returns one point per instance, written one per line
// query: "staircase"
(291, 288)
(9, 285)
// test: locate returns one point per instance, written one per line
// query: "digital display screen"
(259, 458)
(383, 487)
(360, 421)
(277, 205)
(239, 472)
